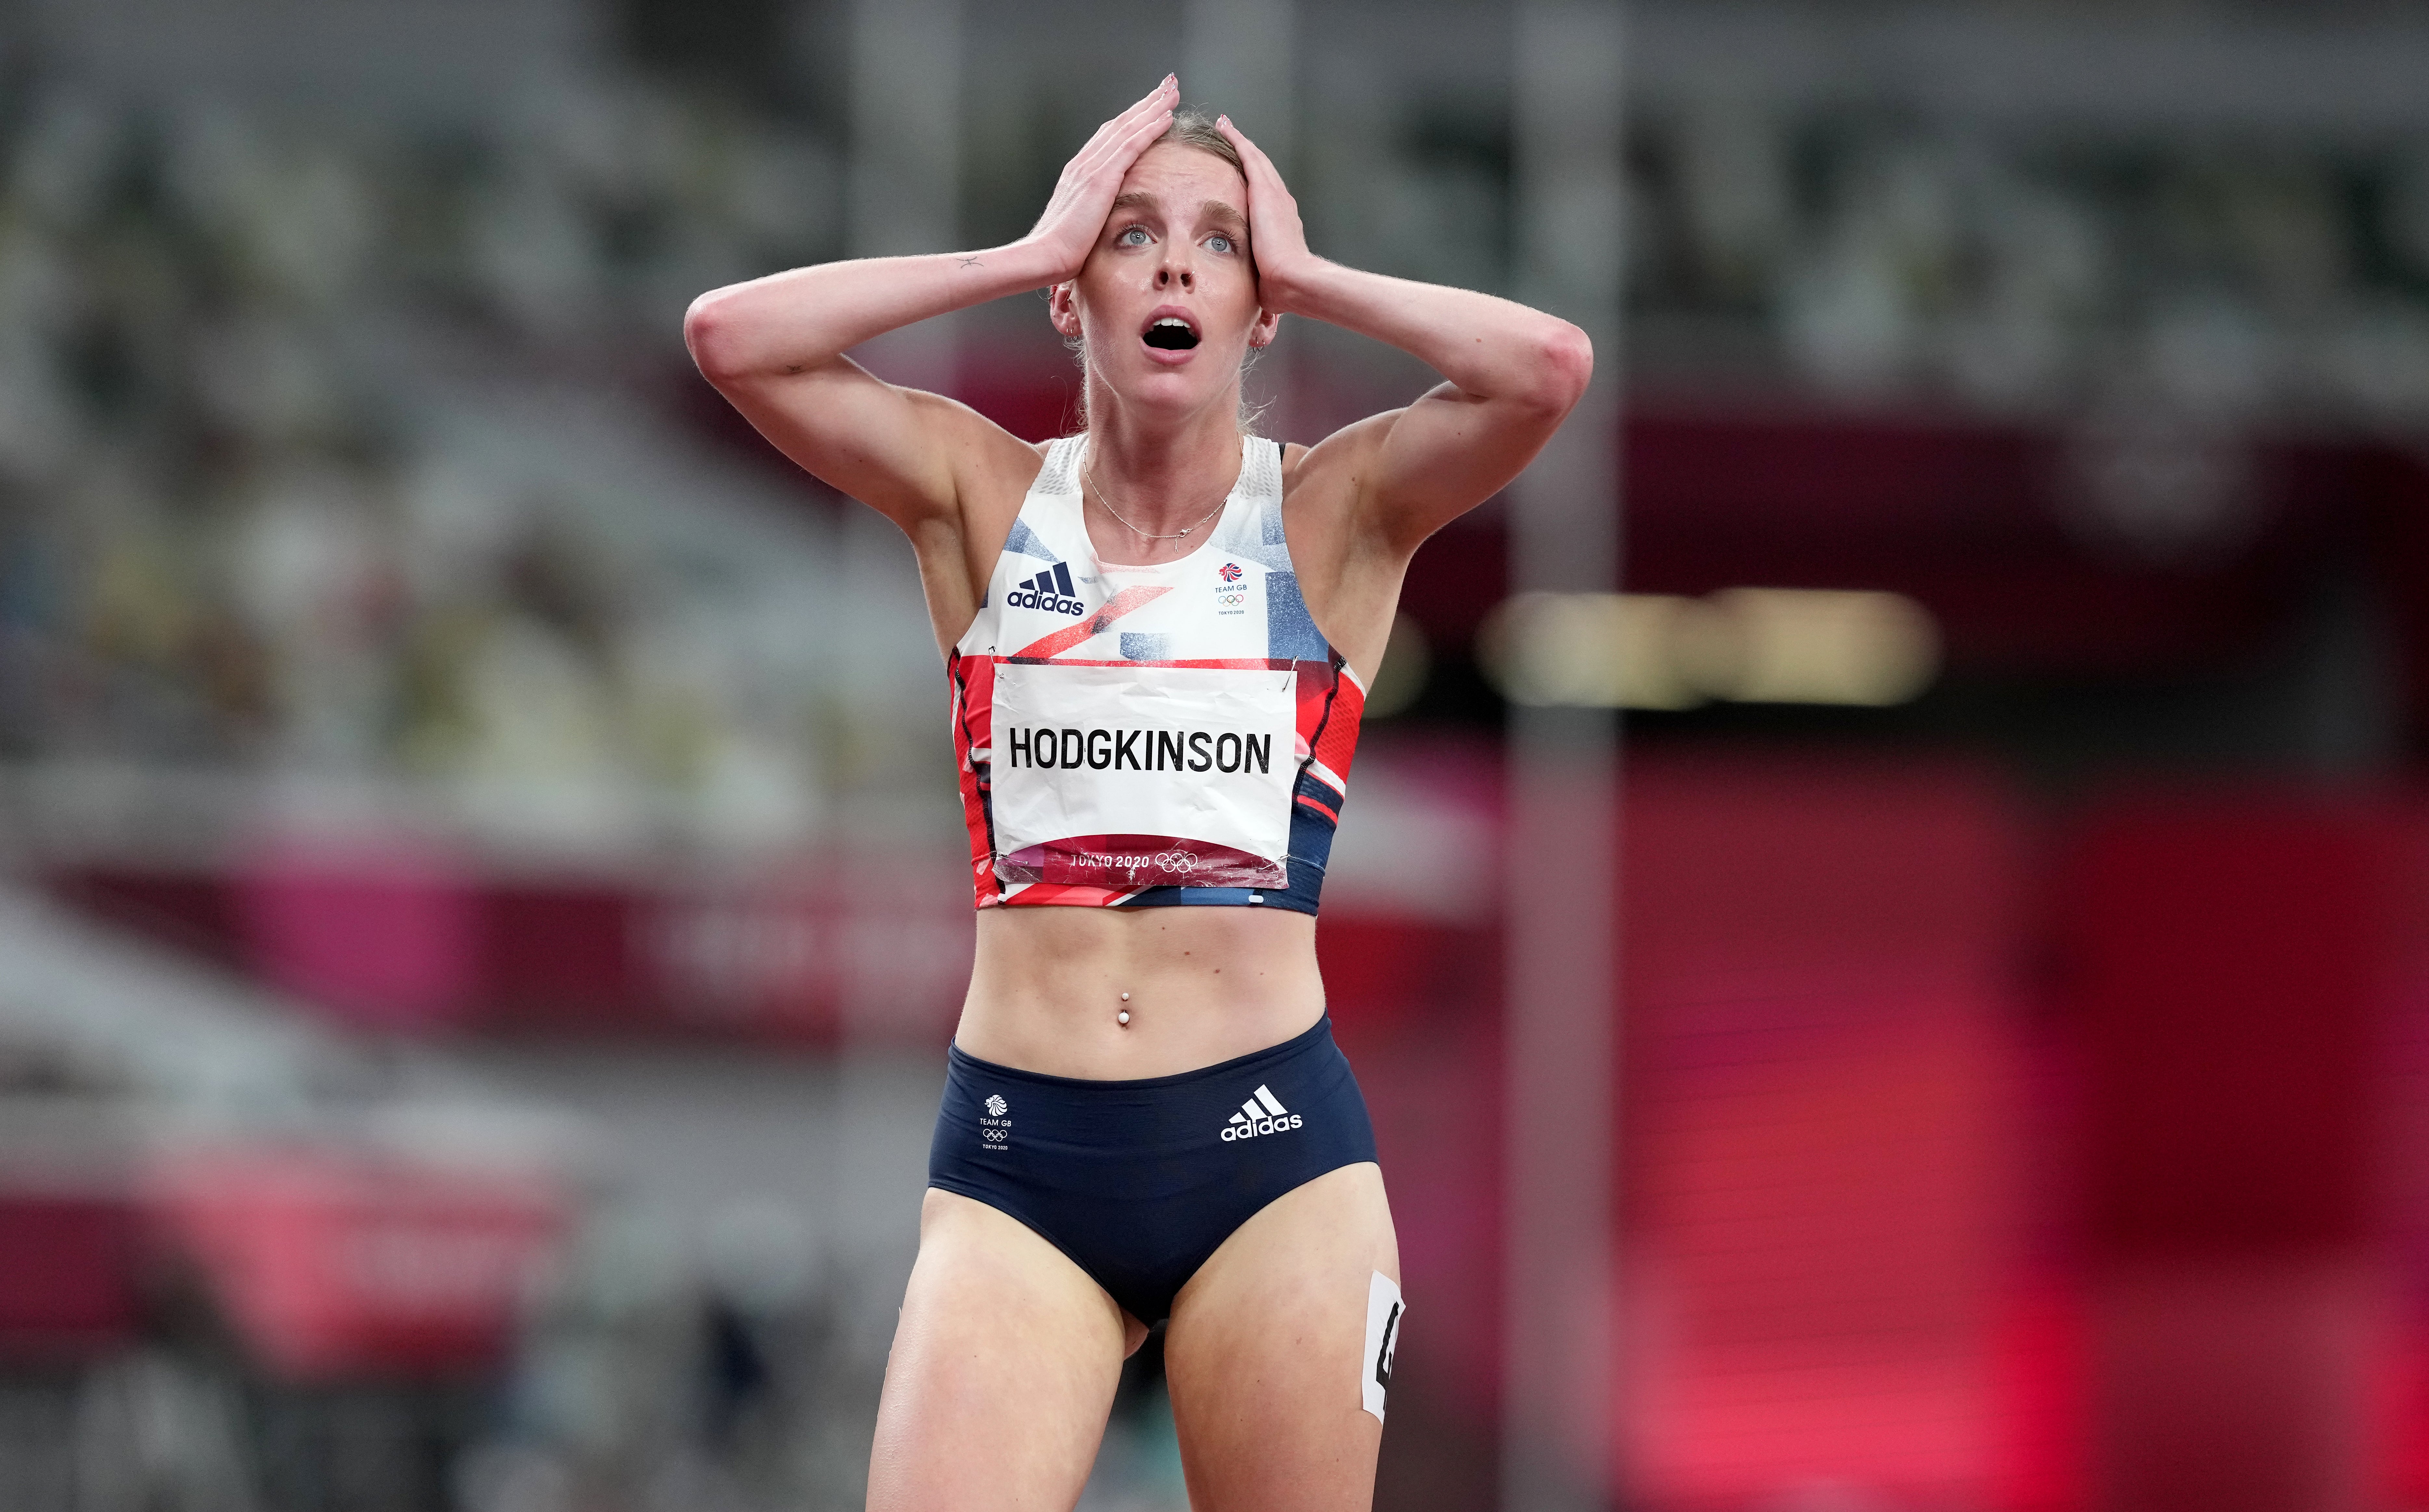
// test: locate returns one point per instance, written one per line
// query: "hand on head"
(1083, 196)
(1277, 237)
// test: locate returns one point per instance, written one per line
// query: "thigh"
(1002, 1370)
(1265, 1350)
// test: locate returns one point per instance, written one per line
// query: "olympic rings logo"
(1182, 862)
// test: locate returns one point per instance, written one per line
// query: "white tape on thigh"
(1384, 1311)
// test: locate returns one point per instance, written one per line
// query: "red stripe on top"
(1338, 740)
(1218, 663)
(973, 728)
(1125, 601)
(976, 681)
(1316, 680)
(1065, 892)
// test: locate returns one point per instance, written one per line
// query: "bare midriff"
(1204, 984)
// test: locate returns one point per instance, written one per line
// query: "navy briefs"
(1139, 1181)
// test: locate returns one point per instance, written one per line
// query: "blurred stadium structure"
(2020, 866)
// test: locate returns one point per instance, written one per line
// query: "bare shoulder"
(957, 540)
(993, 502)
(983, 454)
(1324, 486)
(1335, 470)
(988, 467)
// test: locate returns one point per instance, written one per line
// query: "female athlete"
(1158, 633)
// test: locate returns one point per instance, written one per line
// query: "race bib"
(1142, 776)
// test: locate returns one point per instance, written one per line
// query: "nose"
(1174, 270)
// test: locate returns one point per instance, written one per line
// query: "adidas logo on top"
(1050, 590)
(1261, 1114)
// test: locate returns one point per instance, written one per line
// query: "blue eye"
(1133, 237)
(1220, 242)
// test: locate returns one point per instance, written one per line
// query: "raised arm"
(1514, 372)
(775, 346)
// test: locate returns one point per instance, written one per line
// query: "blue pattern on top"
(1141, 645)
(1025, 542)
(1291, 634)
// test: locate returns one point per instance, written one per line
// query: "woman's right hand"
(1084, 196)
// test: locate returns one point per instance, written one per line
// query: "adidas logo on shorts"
(1261, 1114)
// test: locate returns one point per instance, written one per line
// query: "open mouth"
(1171, 333)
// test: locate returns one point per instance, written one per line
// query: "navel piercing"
(1123, 1018)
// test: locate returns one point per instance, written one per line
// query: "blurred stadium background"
(439, 1066)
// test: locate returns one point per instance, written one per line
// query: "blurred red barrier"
(2232, 964)
(787, 959)
(1384, 973)
(385, 934)
(2235, 964)
(67, 1273)
(2043, 1450)
(343, 1265)
(1823, 1185)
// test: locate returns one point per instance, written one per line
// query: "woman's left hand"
(1276, 238)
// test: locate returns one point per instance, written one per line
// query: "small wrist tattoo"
(972, 262)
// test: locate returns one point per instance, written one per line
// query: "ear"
(1062, 309)
(1262, 334)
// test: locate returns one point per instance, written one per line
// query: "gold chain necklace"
(1090, 475)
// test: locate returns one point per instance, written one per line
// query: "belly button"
(1123, 1018)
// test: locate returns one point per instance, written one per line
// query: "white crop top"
(1144, 736)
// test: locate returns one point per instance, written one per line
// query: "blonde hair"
(1190, 127)
(1193, 127)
